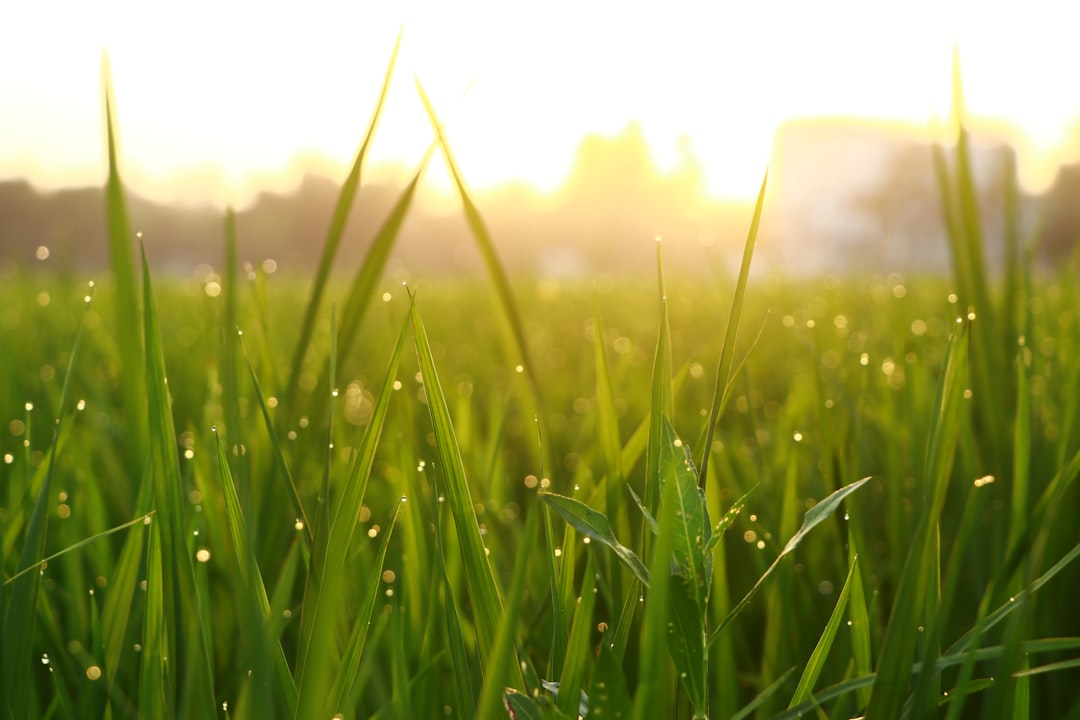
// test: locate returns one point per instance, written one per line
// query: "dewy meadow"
(338, 498)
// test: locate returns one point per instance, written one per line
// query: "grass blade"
(723, 369)
(505, 641)
(816, 663)
(478, 574)
(129, 327)
(334, 234)
(190, 650)
(814, 517)
(345, 687)
(898, 647)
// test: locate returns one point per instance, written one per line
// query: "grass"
(516, 496)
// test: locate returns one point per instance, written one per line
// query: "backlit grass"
(251, 495)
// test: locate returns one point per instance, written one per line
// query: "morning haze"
(845, 196)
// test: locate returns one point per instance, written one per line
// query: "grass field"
(489, 497)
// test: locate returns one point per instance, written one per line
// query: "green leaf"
(689, 589)
(814, 517)
(729, 517)
(594, 524)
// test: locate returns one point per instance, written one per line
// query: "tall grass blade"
(479, 577)
(365, 283)
(506, 639)
(518, 346)
(334, 234)
(345, 686)
(648, 698)
(269, 667)
(190, 661)
(914, 589)
(577, 648)
(128, 322)
(723, 369)
(459, 659)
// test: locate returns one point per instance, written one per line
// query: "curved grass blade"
(816, 663)
(727, 352)
(729, 517)
(334, 233)
(594, 524)
(814, 517)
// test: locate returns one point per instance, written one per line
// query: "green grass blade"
(190, 662)
(595, 525)
(459, 658)
(577, 648)
(816, 663)
(610, 443)
(503, 653)
(365, 283)
(763, 697)
(859, 618)
(898, 647)
(153, 701)
(326, 585)
(116, 613)
(727, 352)
(129, 327)
(345, 688)
(75, 546)
(479, 577)
(229, 369)
(334, 234)
(518, 345)
(648, 698)
(729, 517)
(814, 517)
(661, 404)
(279, 454)
(268, 658)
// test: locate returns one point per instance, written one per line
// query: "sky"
(216, 99)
